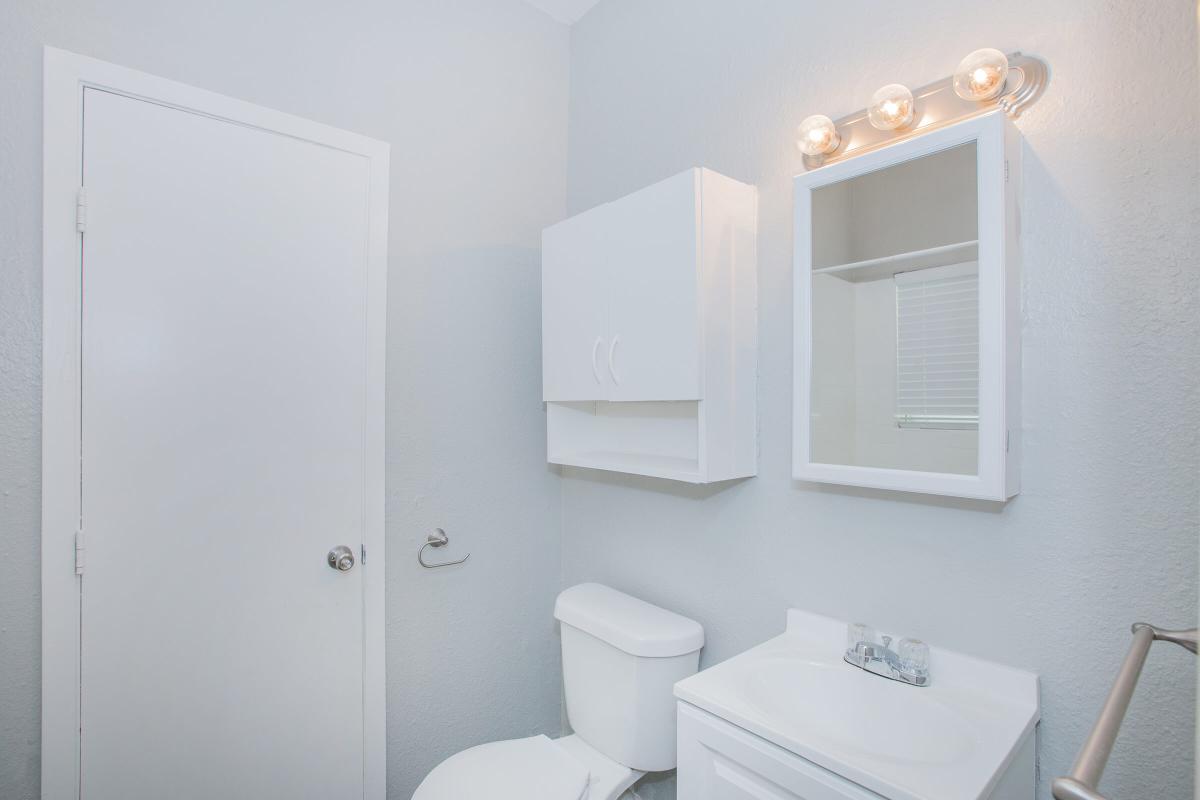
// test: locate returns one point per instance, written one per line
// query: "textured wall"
(1105, 529)
(472, 96)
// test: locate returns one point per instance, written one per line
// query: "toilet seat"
(507, 770)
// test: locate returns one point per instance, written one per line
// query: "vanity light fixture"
(892, 107)
(981, 75)
(817, 136)
(985, 80)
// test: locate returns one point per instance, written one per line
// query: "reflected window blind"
(937, 347)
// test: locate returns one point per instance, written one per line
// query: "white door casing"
(225, 391)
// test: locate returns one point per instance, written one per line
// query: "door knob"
(341, 558)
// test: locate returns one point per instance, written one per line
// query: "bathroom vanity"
(791, 719)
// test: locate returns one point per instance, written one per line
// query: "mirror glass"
(895, 317)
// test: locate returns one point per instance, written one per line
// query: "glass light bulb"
(981, 75)
(817, 136)
(891, 107)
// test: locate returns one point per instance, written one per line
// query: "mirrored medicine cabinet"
(907, 350)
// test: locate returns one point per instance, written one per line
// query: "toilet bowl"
(621, 659)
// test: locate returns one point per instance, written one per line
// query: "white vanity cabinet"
(649, 331)
(720, 761)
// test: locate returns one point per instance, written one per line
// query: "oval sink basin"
(857, 712)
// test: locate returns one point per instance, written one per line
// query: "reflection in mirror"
(895, 306)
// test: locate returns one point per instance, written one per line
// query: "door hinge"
(81, 210)
(1006, 170)
(78, 552)
(1007, 439)
(362, 554)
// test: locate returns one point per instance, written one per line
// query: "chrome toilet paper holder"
(437, 539)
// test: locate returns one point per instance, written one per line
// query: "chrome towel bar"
(1082, 783)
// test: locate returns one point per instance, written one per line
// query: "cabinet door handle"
(596, 352)
(612, 370)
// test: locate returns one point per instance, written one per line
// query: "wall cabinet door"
(720, 761)
(575, 343)
(651, 266)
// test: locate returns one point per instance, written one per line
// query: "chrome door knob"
(341, 558)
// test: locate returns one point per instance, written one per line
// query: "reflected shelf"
(874, 269)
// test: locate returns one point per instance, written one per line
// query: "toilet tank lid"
(627, 623)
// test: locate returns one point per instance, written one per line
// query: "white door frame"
(66, 75)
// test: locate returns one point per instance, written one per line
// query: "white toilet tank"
(621, 657)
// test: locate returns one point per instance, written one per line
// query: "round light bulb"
(817, 136)
(981, 75)
(891, 107)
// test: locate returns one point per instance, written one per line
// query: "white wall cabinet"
(907, 332)
(649, 332)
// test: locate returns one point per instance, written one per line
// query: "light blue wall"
(472, 96)
(1104, 532)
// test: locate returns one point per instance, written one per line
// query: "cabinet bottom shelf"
(677, 469)
(660, 439)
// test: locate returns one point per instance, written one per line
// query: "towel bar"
(1089, 765)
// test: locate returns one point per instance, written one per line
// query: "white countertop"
(950, 740)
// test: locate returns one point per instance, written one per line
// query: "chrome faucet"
(910, 665)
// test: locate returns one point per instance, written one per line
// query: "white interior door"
(224, 342)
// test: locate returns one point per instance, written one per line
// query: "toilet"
(620, 659)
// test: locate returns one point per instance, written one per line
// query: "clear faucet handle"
(859, 632)
(887, 642)
(914, 654)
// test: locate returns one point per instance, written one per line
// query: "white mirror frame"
(998, 175)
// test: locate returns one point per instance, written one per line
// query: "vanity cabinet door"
(720, 761)
(651, 268)
(575, 339)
